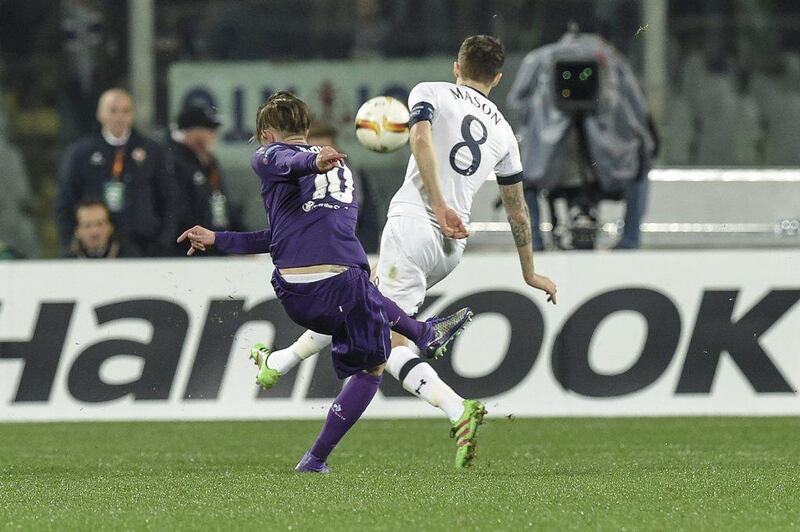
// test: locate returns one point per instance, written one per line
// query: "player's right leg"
(406, 282)
(433, 336)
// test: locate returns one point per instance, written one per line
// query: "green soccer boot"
(267, 377)
(466, 430)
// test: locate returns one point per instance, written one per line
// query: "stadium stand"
(725, 69)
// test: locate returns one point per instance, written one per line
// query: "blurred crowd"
(123, 194)
(733, 98)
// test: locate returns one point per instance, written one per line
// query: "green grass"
(546, 474)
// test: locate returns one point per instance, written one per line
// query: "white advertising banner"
(644, 333)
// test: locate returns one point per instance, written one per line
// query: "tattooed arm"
(520, 220)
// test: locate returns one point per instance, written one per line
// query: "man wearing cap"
(197, 172)
(127, 172)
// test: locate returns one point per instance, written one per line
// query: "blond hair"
(284, 112)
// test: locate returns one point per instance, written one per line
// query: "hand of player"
(543, 283)
(328, 159)
(200, 238)
(450, 223)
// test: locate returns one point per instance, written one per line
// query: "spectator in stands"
(94, 234)
(197, 172)
(128, 172)
(367, 228)
(608, 147)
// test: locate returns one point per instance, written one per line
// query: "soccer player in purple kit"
(458, 139)
(321, 271)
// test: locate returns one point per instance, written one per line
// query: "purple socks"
(402, 323)
(345, 411)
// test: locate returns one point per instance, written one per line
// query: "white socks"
(416, 375)
(420, 379)
(309, 344)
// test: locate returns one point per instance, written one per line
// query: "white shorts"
(414, 256)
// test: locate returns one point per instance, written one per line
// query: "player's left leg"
(405, 273)
(352, 401)
(361, 344)
(406, 269)
(419, 378)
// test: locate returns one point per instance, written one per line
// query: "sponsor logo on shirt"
(310, 206)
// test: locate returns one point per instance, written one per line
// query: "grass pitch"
(545, 474)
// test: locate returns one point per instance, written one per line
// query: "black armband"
(420, 112)
(510, 179)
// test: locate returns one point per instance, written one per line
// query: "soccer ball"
(382, 124)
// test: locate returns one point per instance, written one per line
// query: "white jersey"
(471, 140)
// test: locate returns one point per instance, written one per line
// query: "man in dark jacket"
(95, 237)
(197, 173)
(128, 172)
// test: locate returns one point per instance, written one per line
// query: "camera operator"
(586, 133)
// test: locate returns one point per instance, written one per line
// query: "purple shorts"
(350, 309)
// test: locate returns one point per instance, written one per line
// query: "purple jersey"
(248, 243)
(312, 216)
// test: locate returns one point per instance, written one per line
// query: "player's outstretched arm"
(290, 163)
(422, 147)
(243, 243)
(520, 220)
(235, 242)
(199, 237)
(328, 158)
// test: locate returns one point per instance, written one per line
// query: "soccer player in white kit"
(458, 139)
